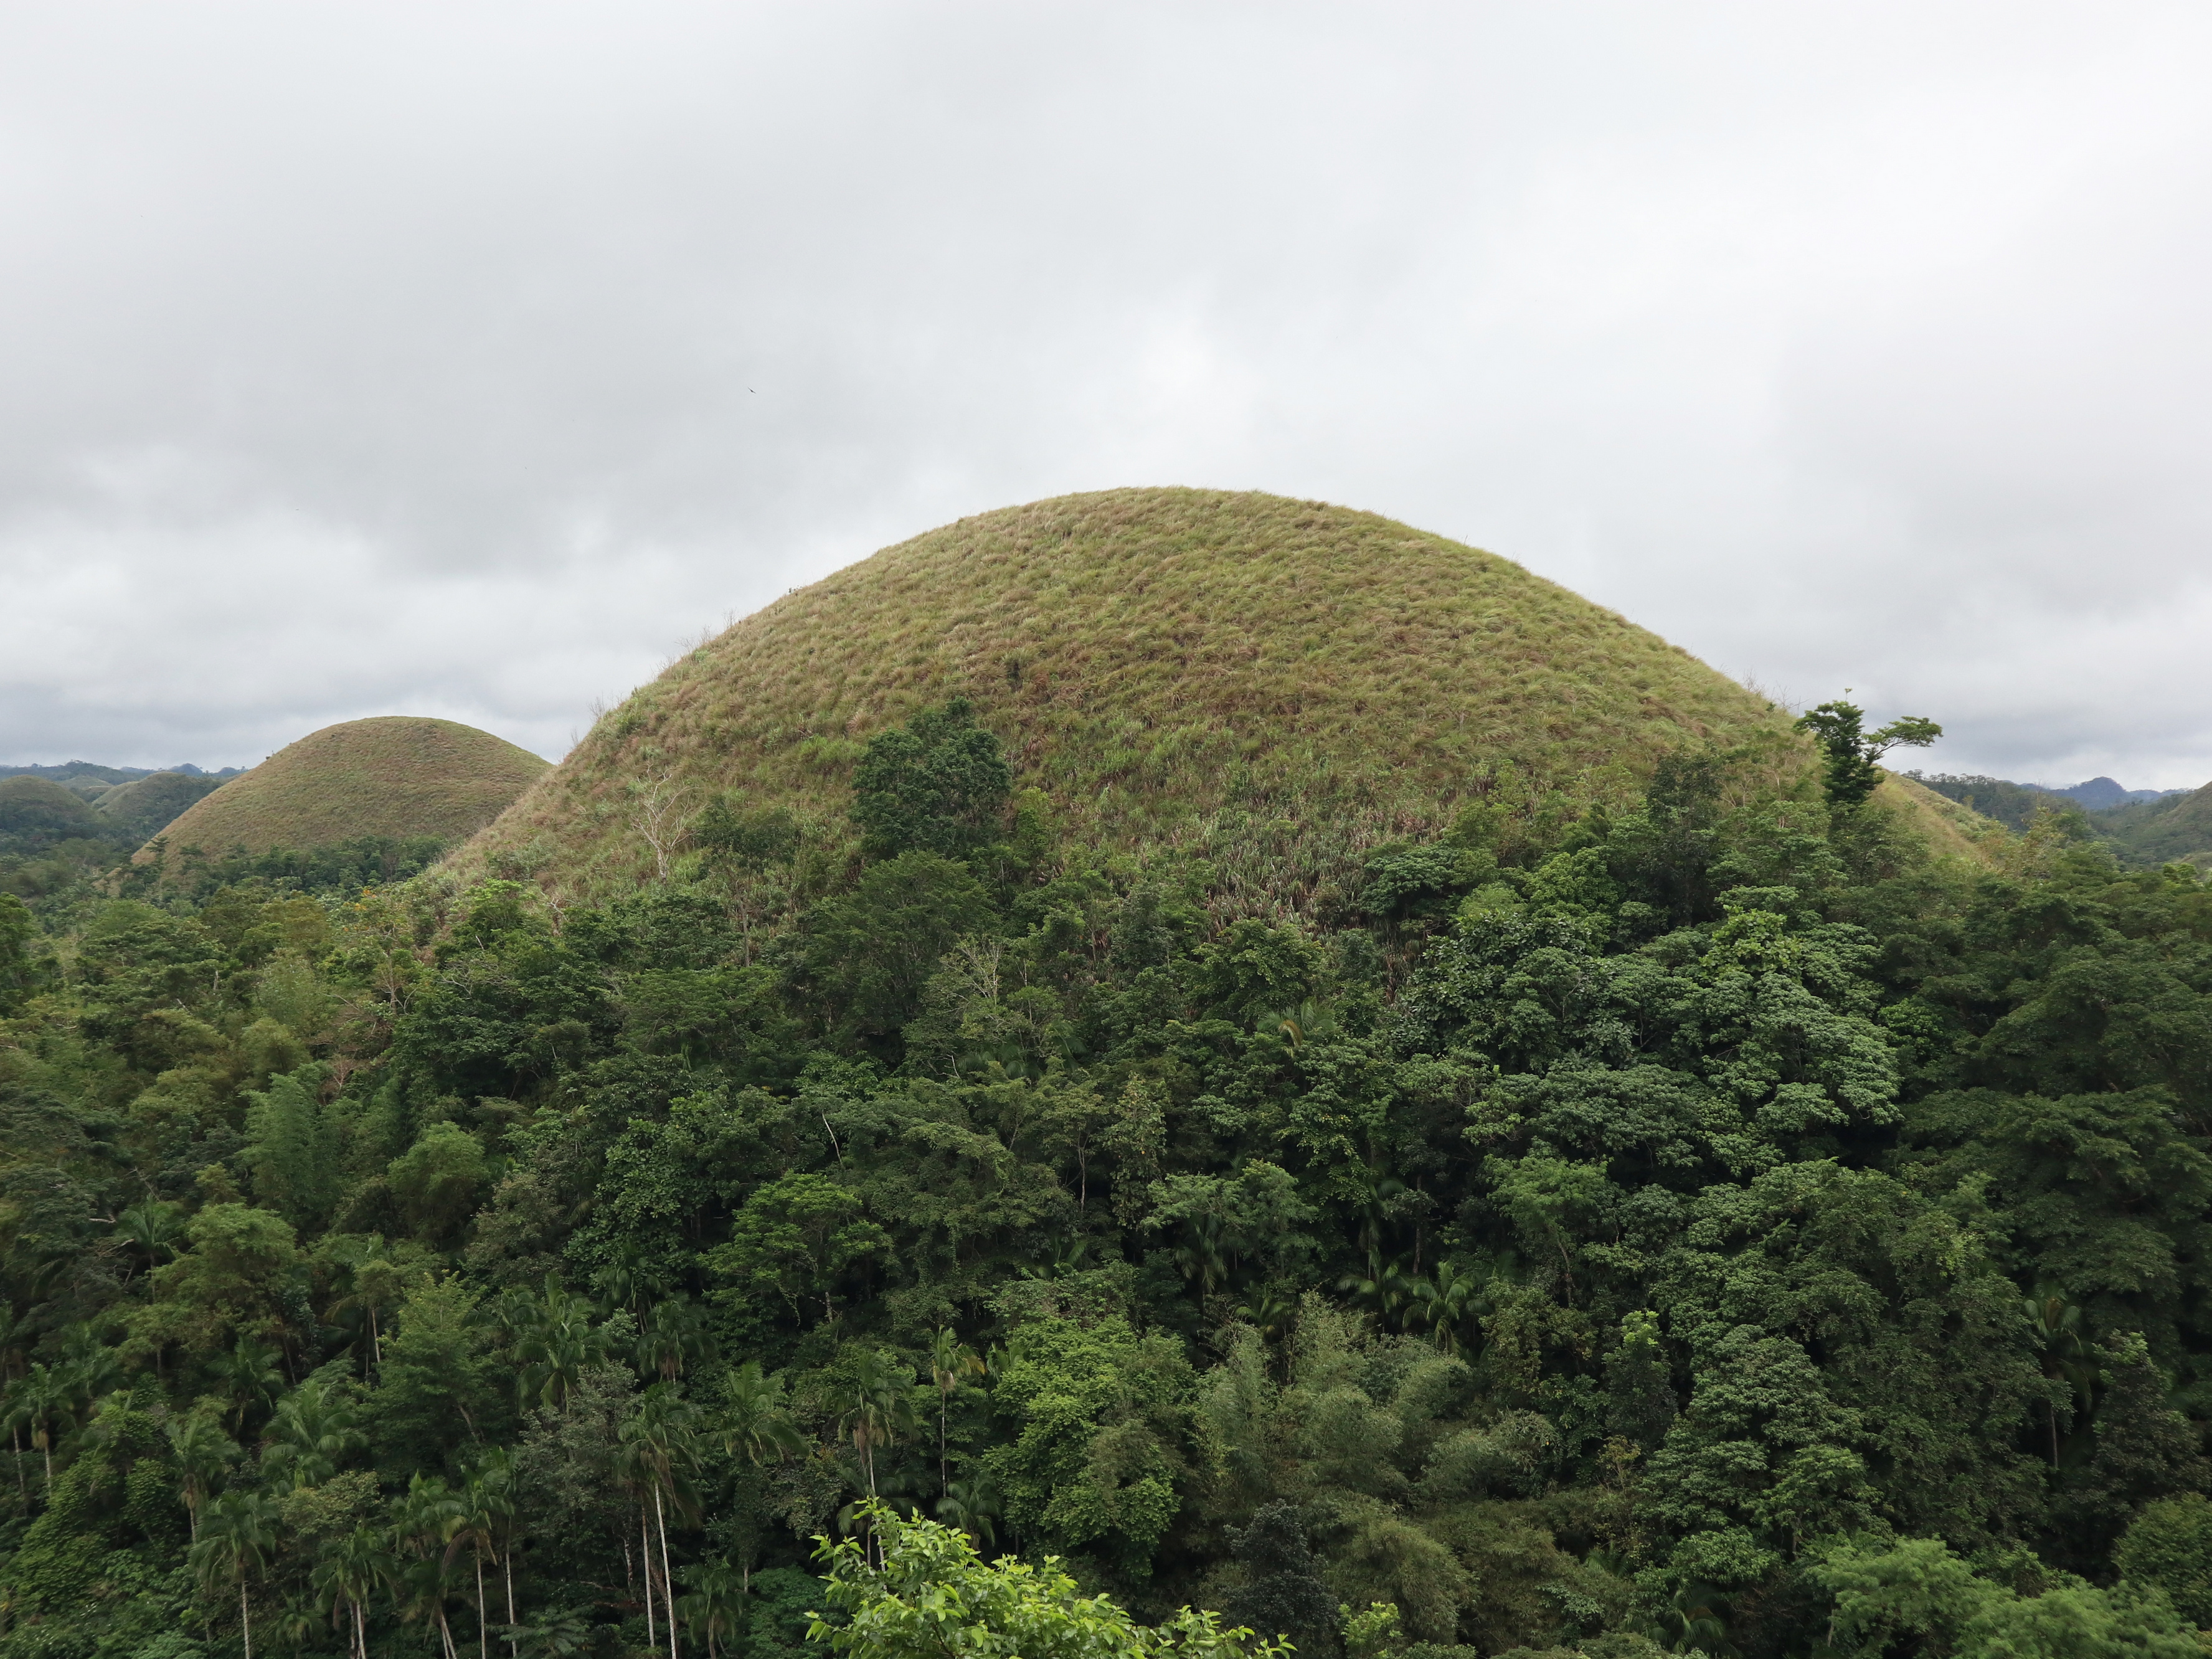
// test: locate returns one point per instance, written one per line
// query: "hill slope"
(392, 776)
(1172, 666)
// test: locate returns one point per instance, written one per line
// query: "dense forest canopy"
(1713, 1226)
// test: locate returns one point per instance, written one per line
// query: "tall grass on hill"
(1244, 677)
(392, 776)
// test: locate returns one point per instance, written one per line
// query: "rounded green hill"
(1171, 666)
(393, 775)
(37, 813)
(144, 806)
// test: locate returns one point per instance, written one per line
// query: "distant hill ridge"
(2145, 828)
(2099, 792)
(77, 770)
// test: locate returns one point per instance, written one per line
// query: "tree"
(18, 928)
(925, 1593)
(1849, 753)
(43, 1399)
(203, 1452)
(1284, 1592)
(152, 1232)
(660, 1449)
(484, 1514)
(426, 1521)
(714, 1609)
(435, 1182)
(292, 1148)
(878, 1409)
(796, 1236)
(235, 1543)
(871, 952)
(251, 1374)
(236, 1281)
(440, 1385)
(952, 1364)
(554, 1339)
(346, 1574)
(311, 1431)
(936, 785)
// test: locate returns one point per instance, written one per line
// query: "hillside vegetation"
(1644, 1182)
(1172, 668)
(143, 807)
(2155, 832)
(2142, 834)
(1709, 1223)
(394, 775)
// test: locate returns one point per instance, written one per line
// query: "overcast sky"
(469, 360)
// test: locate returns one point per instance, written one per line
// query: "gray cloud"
(468, 360)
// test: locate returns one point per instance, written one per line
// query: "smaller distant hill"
(138, 811)
(393, 775)
(38, 815)
(2098, 794)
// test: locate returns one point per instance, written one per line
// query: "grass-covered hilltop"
(391, 777)
(1333, 1087)
(1272, 681)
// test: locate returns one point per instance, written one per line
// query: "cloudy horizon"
(472, 360)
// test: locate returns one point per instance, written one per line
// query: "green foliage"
(292, 1149)
(2169, 1547)
(937, 784)
(436, 1182)
(925, 1592)
(1709, 1223)
(1916, 1595)
(1850, 751)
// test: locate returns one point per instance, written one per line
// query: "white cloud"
(368, 359)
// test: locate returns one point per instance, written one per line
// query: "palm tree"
(674, 1333)
(1207, 1250)
(754, 1424)
(250, 1376)
(715, 1608)
(481, 1510)
(45, 1400)
(660, 1446)
(150, 1232)
(880, 1409)
(11, 1361)
(347, 1575)
(972, 1505)
(2057, 1324)
(427, 1518)
(94, 1365)
(631, 1281)
(235, 1543)
(1694, 1620)
(1443, 1304)
(202, 1451)
(380, 1285)
(950, 1362)
(491, 1494)
(1386, 1288)
(313, 1428)
(555, 1341)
